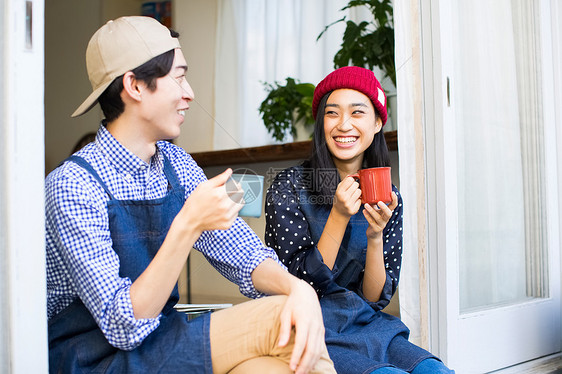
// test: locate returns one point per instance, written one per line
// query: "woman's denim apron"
(359, 338)
(138, 228)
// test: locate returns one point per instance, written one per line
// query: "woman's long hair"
(326, 177)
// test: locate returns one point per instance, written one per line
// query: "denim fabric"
(429, 366)
(360, 338)
(77, 345)
(388, 370)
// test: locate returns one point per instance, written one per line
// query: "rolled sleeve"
(235, 253)
(246, 284)
(120, 326)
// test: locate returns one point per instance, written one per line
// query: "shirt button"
(128, 177)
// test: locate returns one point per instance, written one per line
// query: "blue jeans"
(427, 366)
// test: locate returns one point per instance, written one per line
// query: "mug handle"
(356, 177)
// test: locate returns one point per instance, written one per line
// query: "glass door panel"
(499, 172)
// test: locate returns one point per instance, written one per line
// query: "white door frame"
(23, 342)
(441, 186)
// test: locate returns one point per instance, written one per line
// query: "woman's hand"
(378, 216)
(347, 199)
(375, 274)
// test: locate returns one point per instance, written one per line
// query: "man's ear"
(131, 86)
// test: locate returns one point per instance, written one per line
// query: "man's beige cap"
(120, 46)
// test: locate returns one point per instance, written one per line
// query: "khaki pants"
(244, 340)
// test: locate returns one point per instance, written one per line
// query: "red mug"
(375, 184)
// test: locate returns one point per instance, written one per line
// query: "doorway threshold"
(551, 364)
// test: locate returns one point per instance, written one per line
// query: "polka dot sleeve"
(287, 231)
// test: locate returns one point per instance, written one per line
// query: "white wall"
(68, 27)
(196, 23)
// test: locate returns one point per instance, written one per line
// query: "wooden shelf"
(276, 152)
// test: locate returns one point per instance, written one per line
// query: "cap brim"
(91, 101)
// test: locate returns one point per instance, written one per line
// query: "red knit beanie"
(355, 78)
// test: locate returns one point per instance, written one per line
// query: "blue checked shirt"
(80, 260)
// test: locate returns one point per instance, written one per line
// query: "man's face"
(164, 109)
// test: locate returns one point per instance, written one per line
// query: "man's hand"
(210, 206)
(301, 314)
(302, 311)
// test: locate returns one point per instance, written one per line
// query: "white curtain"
(267, 41)
(526, 29)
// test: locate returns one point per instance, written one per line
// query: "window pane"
(499, 136)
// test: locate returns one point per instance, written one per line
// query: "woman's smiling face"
(350, 124)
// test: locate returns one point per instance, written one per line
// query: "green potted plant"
(285, 106)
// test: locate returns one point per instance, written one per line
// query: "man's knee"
(266, 364)
(272, 305)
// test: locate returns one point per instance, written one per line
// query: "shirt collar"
(124, 161)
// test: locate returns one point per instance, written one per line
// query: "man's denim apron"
(360, 338)
(138, 228)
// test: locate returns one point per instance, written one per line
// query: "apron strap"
(170, 173)
(83, 163)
